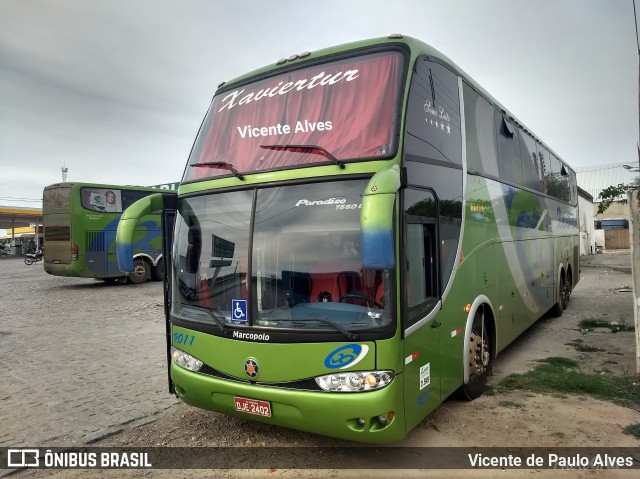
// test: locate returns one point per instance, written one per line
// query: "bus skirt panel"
(371, 416)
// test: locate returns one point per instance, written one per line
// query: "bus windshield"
(346, 108)
(302, 253)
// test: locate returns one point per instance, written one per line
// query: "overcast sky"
(115, 90)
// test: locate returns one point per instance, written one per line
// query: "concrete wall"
(615, 212)
(587, 232)
(634, 226)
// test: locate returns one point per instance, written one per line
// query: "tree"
(610, 193)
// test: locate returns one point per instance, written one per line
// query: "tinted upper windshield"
(346, 107)
(305, 269)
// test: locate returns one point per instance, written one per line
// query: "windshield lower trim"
(339, 172)
(281, 335)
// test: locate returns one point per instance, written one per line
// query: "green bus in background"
(358, 233)
(80, 222)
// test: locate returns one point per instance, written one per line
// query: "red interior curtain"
(349, 111)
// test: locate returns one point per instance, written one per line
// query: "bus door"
(424, 329)
(168, 222)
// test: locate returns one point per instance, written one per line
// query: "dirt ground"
(551, 421)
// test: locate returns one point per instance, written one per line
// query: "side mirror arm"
(127, 225)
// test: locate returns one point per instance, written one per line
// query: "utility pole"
(65, 170)
(634, 204)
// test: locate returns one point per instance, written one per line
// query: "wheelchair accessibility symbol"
(239, 310)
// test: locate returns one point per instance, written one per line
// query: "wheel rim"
(139, 271)
(479, 355)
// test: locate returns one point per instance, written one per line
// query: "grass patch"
(559, 435)
(560, 362)
(561, 375)
(583, 348)
(592, 323)
(489, 391)
(511, 404)
(633, 430)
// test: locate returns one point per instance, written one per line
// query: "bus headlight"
(355, 381)
(185, 360)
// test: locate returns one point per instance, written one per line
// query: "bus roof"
(157, 188)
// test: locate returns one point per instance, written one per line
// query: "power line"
(588, 169)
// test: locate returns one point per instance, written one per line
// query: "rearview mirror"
(127, 227)
(377, 219)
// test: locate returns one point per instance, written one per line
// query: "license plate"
(253, 406)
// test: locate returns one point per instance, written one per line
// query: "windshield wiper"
(314, 149)
(347, 333)
(219, 323)
(224, 164)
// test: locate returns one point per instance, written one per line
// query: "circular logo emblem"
(346, 356)
(251, 367)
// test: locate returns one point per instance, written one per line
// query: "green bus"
(80, 222)
(358, 233)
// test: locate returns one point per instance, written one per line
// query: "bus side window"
(433, 114)
(421, 281)
(509, 161)
(530, 164)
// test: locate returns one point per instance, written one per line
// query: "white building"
(592, 180)
(587, 229)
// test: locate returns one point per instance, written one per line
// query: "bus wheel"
(141, 272)
(479, 359)
(559, 307)
(158, 270)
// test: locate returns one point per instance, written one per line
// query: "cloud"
(116, 90)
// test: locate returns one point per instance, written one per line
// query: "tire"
(28, 261)
(479, 359)
(559, 307)
(158, 270)
(141, 272)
